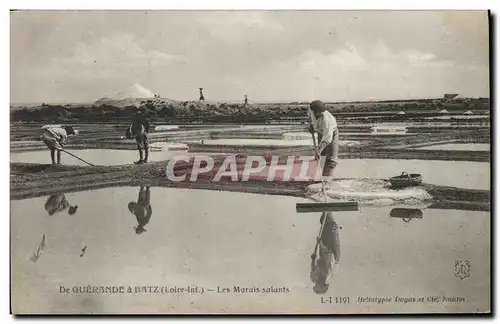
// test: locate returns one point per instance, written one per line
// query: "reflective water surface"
(472, 175)
(94, 156)
(141, 236)
(267, 142)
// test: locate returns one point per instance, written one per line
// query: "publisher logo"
(462, 269)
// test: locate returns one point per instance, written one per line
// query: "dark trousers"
(331, 154)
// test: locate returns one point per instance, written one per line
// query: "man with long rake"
(55, 138)
(323, 122)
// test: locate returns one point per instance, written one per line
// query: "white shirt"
(59, 134)
(326, 125)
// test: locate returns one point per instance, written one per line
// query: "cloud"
(224, 21)
(349, 74)
(271, 55)
(114, 56)
(382, 54)
(471, 30)
(120, 51)
(93, 70)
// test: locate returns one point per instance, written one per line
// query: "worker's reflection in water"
(58, 203)
(141, 209)
(326, 264)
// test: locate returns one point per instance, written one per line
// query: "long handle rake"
(73, 155)
(318, 239)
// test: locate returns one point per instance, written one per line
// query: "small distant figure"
(201, 94)
(246, 100)
(140, 129)
(55, 138)
(58, 203)
(326, 264)
(83, 251)
(141, 209)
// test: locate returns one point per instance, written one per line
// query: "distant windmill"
(201, 94)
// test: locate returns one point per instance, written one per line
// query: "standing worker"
(323, 122)
(141, 209)
(201, 94)
(55, 138)
(139, 129)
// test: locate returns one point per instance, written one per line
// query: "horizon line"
(238, 101)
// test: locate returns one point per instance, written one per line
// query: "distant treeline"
(201, 111)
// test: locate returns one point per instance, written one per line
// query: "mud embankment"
(34, 180)
(206, 111)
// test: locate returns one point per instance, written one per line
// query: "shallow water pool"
(458, 147)
(307, 136)
(94, 156)
(462, 174)
(241, 240)
(267, 142)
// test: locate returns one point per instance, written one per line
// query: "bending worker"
(323, 122)
(59, 203)
(55, 138)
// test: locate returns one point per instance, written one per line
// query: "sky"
(81, 56)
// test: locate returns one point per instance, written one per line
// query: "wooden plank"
(323, 207)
